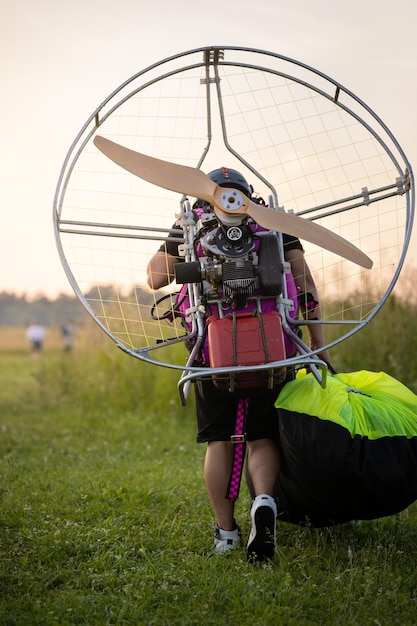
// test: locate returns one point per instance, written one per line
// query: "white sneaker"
(225, 540)
(261, 544)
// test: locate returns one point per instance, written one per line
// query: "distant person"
(36, 335)
(67, 334)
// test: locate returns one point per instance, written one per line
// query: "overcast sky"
(60, 60)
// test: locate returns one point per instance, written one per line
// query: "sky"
(60, 60)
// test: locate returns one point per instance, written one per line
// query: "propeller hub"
(232, 200)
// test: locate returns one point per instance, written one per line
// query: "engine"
(233, 261)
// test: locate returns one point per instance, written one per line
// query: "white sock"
(228, 534)
(265, 500)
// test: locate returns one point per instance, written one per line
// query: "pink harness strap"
(239, 455)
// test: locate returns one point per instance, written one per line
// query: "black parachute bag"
(348, 451)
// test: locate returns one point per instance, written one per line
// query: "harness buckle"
(238, 438)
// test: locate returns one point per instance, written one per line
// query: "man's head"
(231, 178)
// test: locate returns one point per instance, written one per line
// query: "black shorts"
(216, 412)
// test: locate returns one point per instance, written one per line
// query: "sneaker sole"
(262, 546)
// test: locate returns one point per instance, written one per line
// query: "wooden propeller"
(193, 182)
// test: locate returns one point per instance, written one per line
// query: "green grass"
(104, 518)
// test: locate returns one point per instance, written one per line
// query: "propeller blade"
(309, 231)
(179, 178)
(192, 181)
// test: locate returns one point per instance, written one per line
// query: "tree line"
(18, 310)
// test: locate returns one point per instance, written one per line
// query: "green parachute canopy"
(349, 450)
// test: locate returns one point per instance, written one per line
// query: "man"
(36, 335)
(216, 409)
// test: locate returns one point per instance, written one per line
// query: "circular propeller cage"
(304, 142)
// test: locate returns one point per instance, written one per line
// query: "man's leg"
(263, 468)
(217, 469)
(263, 465)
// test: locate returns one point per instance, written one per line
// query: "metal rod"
(125, 226)
(348, 208)
(120, 235)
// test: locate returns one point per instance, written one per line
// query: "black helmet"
(231, 178)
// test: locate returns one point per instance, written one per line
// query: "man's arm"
(309, 300)
(160, 270)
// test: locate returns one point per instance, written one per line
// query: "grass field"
(104, 517)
